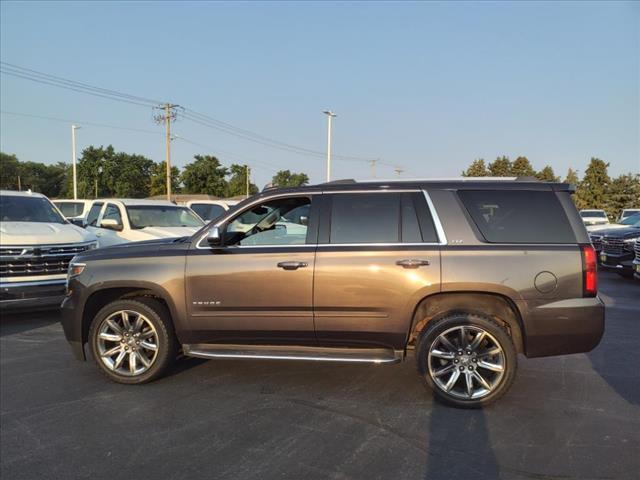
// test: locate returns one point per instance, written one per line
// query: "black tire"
(497, 334)
(167, 346)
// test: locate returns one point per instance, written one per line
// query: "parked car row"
(37, 242)
(615, 245)
(597, 219)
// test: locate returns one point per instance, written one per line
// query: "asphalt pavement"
(571, 417)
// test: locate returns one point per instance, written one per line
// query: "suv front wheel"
(132, 341)
(467, 360)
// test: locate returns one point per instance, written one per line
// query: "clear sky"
(427, 86)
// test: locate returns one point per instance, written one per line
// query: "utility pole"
(169, 114)
(330, 116)
(74, 159)
(247, 175)
(19, 184)
(398, 170)
(373, 164)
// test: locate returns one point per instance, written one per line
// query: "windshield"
(633, 220)
(593, 213)
(629, 213)
(14, 208)
(70, 209)
(141, 216)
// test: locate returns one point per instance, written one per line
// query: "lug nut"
(126, 348)
(459, 352)
(468, 352)
(470, 367)
(456, 361)
(461, 368)
(475, 359)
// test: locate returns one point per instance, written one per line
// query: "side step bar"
(285, 352)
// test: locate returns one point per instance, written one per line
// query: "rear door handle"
(292, 265)
(412, 263)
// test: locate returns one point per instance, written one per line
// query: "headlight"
(92, 246)
(629, 243)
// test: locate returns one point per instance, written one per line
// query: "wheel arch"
(492, 305)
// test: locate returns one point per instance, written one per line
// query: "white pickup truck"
(36, 246)
(116, 221)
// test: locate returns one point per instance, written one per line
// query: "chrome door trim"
(436, 219)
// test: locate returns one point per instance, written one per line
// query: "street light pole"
(248, 172)
(330, 116)
(74, 159)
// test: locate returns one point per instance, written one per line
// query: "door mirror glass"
(304, 220)
(213, 237)
(111, 224)
(78, 222)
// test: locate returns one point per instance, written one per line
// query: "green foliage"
(158, 180)
(285, 178)
(237, 184)
(500, 167)
(521, 167)
(624, 192)
(476, 169)
(572, 177)
(592, 190)
(205, 175)
(547, 175)
(50, 180)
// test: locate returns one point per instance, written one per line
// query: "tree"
(500, 167)
(624, 192)
(158, 179)
(9, 171)
(547, 175)
(237, 184)
(521, 167)
(572, 177)
(285, 178)
(205, 175)
(476, 169)
(592, 190)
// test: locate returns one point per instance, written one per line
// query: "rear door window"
(94, 212)
(365, 218)
(518, 216)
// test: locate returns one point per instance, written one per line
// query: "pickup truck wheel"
(132, 341)
(467, 360)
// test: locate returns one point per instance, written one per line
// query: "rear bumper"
(563, 327)
(31, 295)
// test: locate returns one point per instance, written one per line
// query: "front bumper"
(33, 294)
(568, 326)
(617, 263)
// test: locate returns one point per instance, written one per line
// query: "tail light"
(589, 271)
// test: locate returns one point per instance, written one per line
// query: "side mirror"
(304, 220)
(214, 238)
(111, 224)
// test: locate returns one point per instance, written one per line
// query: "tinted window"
(365, 218)
(518, 216)
(18, 208)
(410, 226)
(94, 211)
(207, 211)
(70, 209)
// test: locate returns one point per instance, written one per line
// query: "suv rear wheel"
(132, 341)
(467, 360)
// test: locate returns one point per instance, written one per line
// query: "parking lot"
(565, 417)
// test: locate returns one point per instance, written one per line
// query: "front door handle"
(412, 263)
(292, 265)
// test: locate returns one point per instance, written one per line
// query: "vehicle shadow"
(459, 445)
(12, 323)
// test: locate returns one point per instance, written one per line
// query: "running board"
(285, 352)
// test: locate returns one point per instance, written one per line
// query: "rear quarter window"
(518, 216)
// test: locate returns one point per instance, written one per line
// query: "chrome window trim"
(442, 237)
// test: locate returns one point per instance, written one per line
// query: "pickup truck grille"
(612, 246)
(32, 260)
(636, 249)
(596, 241)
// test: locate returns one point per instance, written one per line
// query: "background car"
(617, 252)
(596, 235)
(628, 212)
(36, 246)
(116, 221)
(594, 217)
(74, 210)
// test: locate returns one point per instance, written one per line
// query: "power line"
(67, 120)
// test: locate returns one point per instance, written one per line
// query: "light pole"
(330, 116)
(74, 158)
(99, 173)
